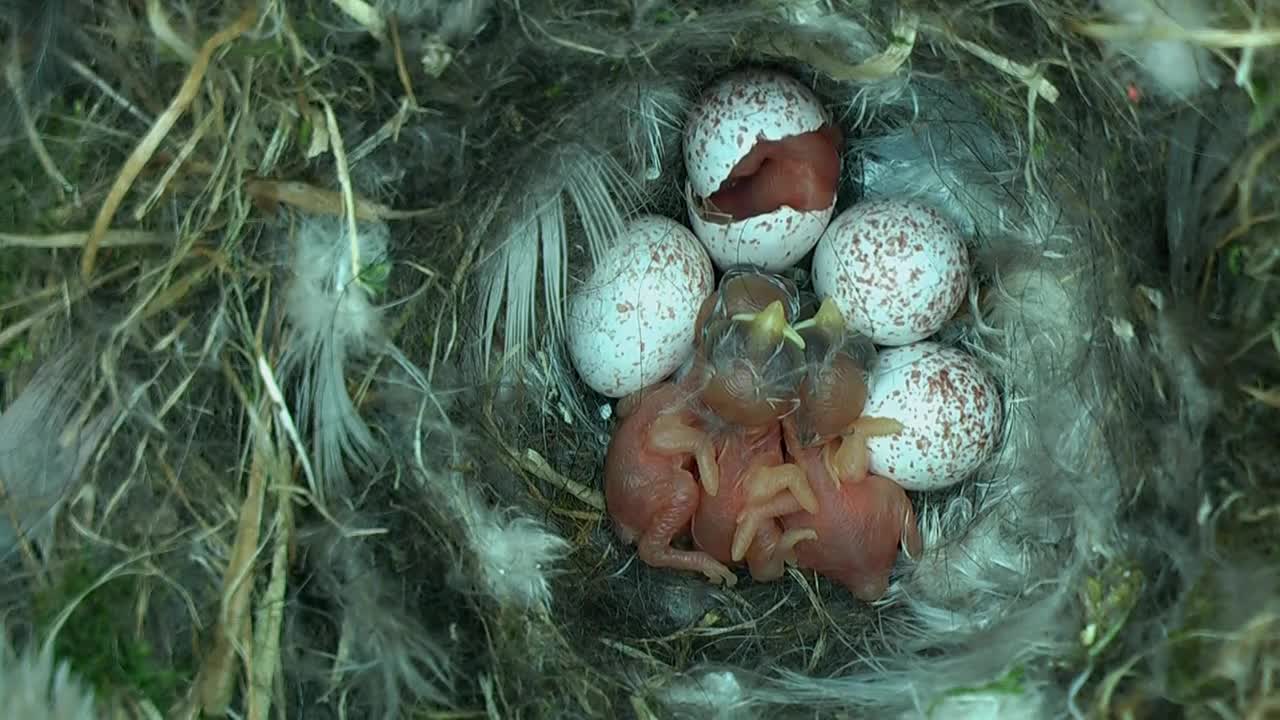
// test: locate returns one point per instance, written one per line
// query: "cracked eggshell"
(732, 115)
(897, 269)
(773, 242)
(949, 408)
(631, 323)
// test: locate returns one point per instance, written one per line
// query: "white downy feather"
(35, 687)
(332, 313)
(1176, 68)
(945, 156)
(517, 554)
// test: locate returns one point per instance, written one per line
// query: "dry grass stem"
(145, 149)
(164, 32)
(216, 680)
(1203, 37)
(269, 618)
(112, 238)
(344, 179)
(535, 464)
(322, 202)
(875, 68)
(402, 70)
(170, 172)
(1034, 79)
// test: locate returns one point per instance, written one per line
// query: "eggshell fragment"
(949, 408)
(741, 111)
(897, 269)
(772, 242)
(631, 323)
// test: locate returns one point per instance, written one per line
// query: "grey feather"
(45, 446)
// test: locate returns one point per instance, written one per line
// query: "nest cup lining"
(276, 458)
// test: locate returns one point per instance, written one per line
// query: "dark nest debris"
(289, 429)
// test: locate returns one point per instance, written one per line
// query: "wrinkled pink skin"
(716, 519)
(650, 488)
(860, 524)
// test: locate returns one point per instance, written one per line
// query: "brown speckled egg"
(949, 408)
(897, 269)
(631, 323)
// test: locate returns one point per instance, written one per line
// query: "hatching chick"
(853, 536)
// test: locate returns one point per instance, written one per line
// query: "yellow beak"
(769, 327)
(828, 319)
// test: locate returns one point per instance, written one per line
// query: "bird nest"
(290, 430)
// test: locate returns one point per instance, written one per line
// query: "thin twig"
(145, 149)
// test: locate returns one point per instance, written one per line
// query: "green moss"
(1191, 645)
(1011, 683)
(1108, 598)
(98, 639)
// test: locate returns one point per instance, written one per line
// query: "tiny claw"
(768, 327)
(795, 536)
(798, 484)
(764, 483)
(744, 534)
(671, 435)
(721, 574)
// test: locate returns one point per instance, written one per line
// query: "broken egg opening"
(763, 164)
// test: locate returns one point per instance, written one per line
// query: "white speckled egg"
(897, 269)
(949, 408)
(630, 324)
(739, 111)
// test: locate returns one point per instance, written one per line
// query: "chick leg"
(851, 460)
(765, 482)
(673, 436)
(750, 520)
(655, 544)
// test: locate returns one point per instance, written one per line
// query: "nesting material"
(331, 453)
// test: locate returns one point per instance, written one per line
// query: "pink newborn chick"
(649, 488)
(854, 535)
